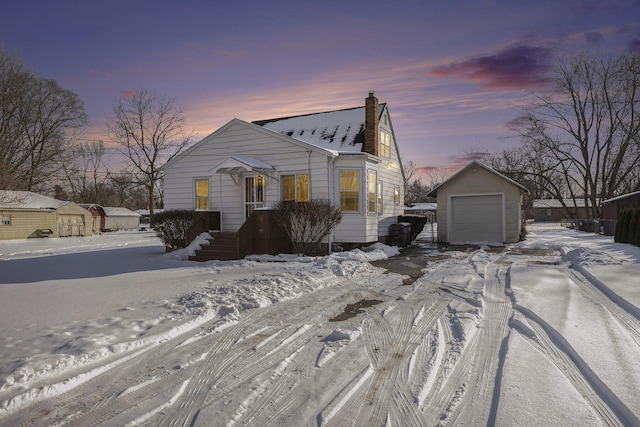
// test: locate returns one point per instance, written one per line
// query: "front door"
(253, 194)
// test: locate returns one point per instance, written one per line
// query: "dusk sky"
(452, 72)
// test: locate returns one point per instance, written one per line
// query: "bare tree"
(410, 169)
(86, 173)
(150, 131)
(37, 119)
(437, 177)
(583, 141)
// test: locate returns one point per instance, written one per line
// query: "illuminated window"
(371, 191)
(5, 220)
(295, 187)
(349, 190)
(202, 194)
(385, 144)
(379, 197)
(396, 195)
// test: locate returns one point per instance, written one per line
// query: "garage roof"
(471, 165)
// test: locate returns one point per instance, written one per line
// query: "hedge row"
(628, 227)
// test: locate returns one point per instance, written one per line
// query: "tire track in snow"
(477, 402)
(224, 372)
(624, 312)
(552, 344)
(466, 395)
(383, 393)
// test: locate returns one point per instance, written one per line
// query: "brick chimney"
(371, 134)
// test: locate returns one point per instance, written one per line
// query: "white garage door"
(476, 219)
(71, 225)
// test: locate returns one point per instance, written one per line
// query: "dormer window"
(385, 144)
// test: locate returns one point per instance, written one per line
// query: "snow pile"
(86, 344)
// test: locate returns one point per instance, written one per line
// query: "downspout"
(331, 181)
(309, 172)
(220, 196)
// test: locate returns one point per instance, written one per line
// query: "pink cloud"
(517, 67)
(128, 93)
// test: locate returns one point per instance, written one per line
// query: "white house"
(348, 156)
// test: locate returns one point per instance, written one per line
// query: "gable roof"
(206, 139)
(476, 163)
(338, 130)
(28, 200)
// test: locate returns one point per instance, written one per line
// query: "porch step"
(223, 246)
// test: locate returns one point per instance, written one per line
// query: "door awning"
(236, 164)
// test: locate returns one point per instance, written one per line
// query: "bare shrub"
(172, 227)
(307, 223)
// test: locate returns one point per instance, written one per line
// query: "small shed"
(479, 205)
(24, 214)
(545, 210)
(611, 208)
(114, 218)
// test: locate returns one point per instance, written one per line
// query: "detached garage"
(479, 205)
(24, 215)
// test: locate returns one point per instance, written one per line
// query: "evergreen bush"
(622, 226)
(634, 227)
(417, 224)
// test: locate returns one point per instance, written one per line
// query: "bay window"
(349, 190)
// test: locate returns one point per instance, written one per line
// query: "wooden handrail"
(245, 235)
(202, 222)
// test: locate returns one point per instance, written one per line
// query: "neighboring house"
(479, 205)
(422, 209)
(24, 214)
(347, 156)
(145, 215)
(552, 210)
(113, 218)
(611, 208)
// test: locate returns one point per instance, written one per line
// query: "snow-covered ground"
(111, 330)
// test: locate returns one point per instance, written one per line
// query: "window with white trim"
(396, 195)
(295, 187)
(349, 190)
(379, 197)
(5, 220)
(385, 144)
(202, 194)
(372, 180)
